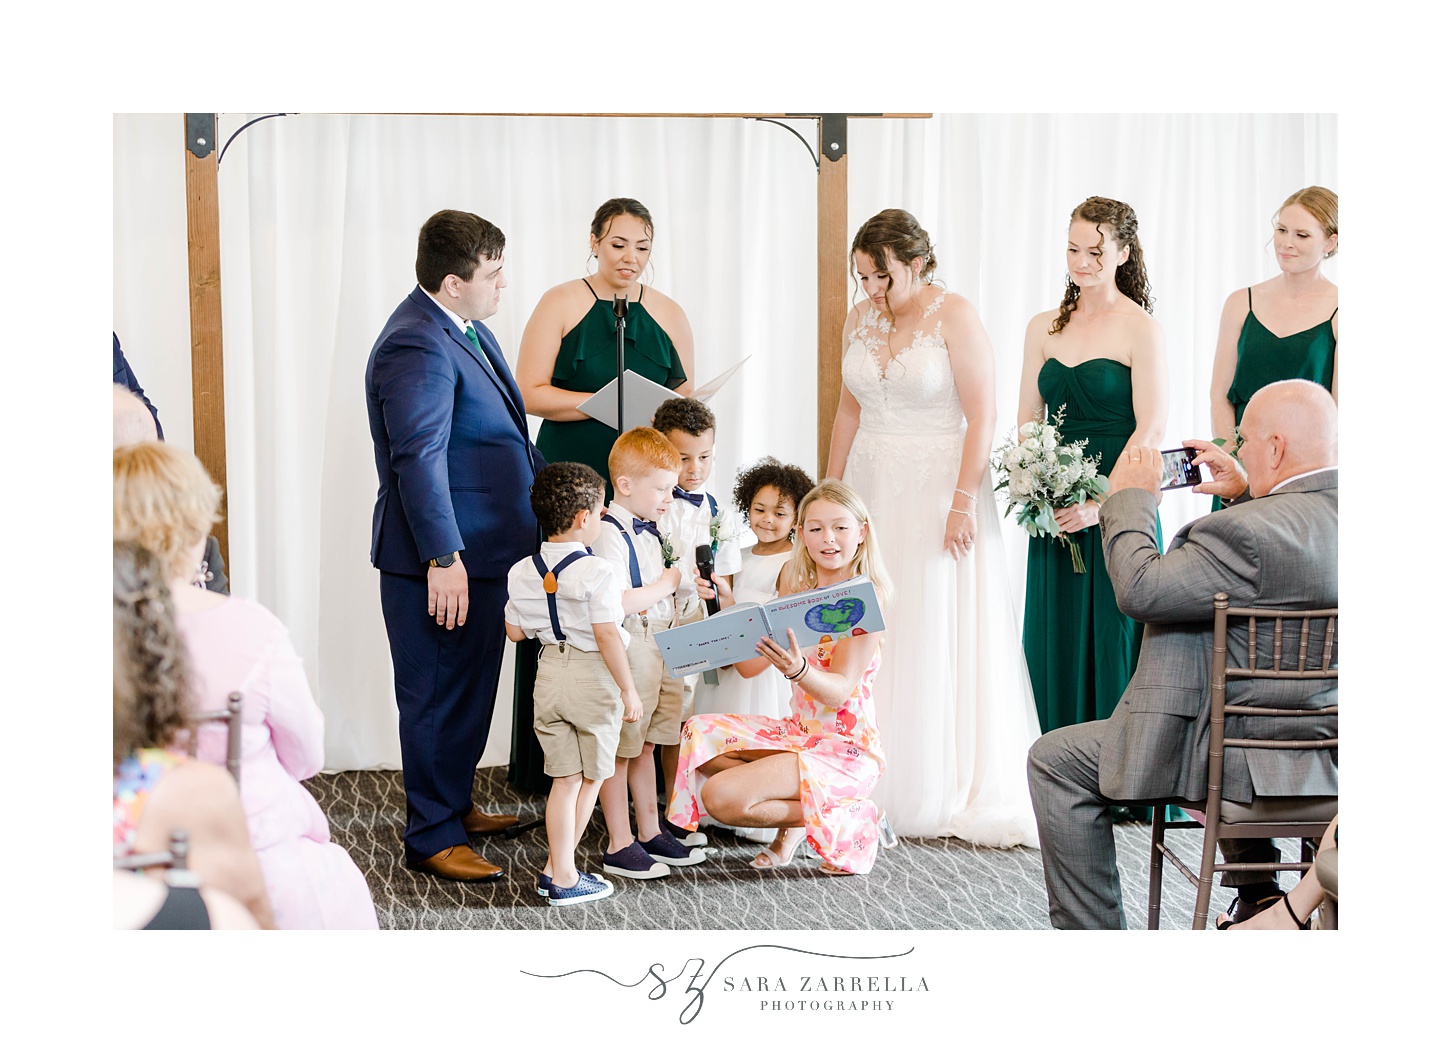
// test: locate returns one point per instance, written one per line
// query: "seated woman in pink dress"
(809, 775)
(165, 501)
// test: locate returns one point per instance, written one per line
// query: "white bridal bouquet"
(1040, 472)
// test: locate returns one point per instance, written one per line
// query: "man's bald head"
(131, 421)
(1289, 428)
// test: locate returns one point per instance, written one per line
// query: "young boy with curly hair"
(570, 601)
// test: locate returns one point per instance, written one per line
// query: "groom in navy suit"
(454, 469)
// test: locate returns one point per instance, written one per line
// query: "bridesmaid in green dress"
(566, 354)
(1101, 355)
(1300, 300)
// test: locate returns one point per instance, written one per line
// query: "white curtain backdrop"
(319, 217)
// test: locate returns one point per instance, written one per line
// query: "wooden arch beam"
(203, 240)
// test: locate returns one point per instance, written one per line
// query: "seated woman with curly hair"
(157, 790)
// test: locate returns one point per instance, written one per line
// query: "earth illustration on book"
(838, 618)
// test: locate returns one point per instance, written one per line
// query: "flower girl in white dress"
(767, 494)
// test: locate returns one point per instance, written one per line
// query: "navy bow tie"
(696, 499)
(641, 525)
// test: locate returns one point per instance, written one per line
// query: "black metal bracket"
(259, 119)
(831, 127)
(833, 135)
(201, 133)
(815, 159)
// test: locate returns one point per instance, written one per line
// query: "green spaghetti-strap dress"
(1081, 650)
(1265, 358)
(586, 362)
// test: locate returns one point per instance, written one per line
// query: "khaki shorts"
(660, 694)
(694, 612)
(577, 712)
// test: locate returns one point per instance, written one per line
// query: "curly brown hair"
(561, 490)
(898, 232)
(690, 415)
(153, 671)
(1116, 221)
(787, 479)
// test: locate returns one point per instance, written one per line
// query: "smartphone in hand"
(1179, 473)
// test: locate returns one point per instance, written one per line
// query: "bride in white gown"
(912, 435)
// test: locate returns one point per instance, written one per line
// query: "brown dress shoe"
(481, 824)
(459, 862)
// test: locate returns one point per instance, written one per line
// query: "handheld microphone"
(705, 562)
(622, 305)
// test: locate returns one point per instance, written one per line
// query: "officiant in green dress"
(567, 352)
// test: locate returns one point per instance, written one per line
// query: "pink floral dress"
(839, 755)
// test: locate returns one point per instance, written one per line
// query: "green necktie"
(474, 340)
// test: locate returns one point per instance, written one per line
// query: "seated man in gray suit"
(1275, 548)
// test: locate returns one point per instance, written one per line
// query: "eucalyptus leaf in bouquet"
(1037, 472)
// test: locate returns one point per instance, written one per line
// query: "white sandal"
(773, 860)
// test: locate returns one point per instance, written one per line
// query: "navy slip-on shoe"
(589, 889)
(635, 863)
(662, 847)
(685, 836)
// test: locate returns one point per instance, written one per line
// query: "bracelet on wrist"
(798, 674)
(964, 492)
(954, 510)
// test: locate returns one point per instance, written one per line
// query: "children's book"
(824, 614)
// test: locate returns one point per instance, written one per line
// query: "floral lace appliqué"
(875, 323)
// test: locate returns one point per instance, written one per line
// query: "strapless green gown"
(1081, 650)
(1265, 358)
(586, 362)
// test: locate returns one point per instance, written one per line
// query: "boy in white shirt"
(644, 467)
(570, 601)
(690, 426)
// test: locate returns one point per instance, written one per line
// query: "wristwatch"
(443, 562)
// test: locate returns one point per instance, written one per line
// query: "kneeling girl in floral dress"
(809, 775)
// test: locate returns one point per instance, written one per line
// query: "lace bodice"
(915, 395)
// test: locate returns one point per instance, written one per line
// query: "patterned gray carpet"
(920, 885)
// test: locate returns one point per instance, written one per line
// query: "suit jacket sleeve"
(415, 382)
(122, 374)
(1211, 554)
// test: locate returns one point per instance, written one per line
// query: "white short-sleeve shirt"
(589, 592)
(689, 527)
(611, 547)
